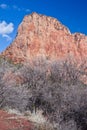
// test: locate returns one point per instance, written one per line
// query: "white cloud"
(16, 8)
(6, 29)
(8, 38)
(20, 9)
(3, 6)
(27, 10)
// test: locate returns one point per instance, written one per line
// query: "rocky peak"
(43, 36)
(79, 36)
(39, 23)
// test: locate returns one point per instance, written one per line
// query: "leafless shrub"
(60, 93)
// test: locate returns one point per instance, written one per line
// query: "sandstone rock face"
(42, 36)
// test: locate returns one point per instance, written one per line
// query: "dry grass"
(45, 126)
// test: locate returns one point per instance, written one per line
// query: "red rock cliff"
(42, 36)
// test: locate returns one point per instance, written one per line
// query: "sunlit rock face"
(43, 36)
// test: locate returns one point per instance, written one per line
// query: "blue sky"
(72, 13)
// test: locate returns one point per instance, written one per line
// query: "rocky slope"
(42, 36)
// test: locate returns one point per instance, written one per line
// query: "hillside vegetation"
(56, 88)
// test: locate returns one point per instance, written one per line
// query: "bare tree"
(60, 93)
